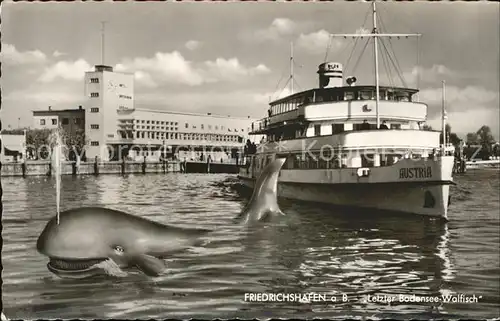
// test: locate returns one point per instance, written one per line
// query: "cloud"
(461, 99)
(241, 103)
(45, 97)
(265, 98)
(10, 55)
(318, 42)
(467, 108)
(279, 28)
(230, 69)
(145, 79)
(57, 54)
(173, 68)
(193, 44)
(461, 123)
(68, 70)
(362, 31)
(169, 67)
(433, 74)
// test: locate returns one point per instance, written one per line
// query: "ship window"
(337, 128)
(402, 96)
(395, 126)
(365, 95)
(367, 160)
(317, 130)
(348, 95)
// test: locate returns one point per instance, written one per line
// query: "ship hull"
(424, 198)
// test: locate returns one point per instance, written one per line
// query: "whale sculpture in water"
(86, 238)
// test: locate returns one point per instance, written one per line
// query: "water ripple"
(315, 249)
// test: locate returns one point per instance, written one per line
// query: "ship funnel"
(330, 75)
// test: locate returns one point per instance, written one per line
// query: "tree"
(39, 142)
(450, 137)
(472, 139)
(486, 141)
(75, 143)
(485, 136)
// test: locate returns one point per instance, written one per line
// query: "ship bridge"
(342, 104)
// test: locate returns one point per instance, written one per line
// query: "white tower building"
(107, 92)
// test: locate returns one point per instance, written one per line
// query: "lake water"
(314, 249)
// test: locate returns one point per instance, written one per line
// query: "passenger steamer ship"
(338, 152)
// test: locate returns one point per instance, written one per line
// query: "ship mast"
(375, 35)
(443, 116)
(291, 68)
(375, 50)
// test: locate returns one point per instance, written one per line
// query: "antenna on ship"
(375, 35)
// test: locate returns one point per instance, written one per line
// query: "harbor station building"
(115, 127)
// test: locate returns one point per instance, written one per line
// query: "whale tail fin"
(263, 204)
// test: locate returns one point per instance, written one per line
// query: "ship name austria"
(415, 172)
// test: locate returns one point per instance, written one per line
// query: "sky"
(233, 57)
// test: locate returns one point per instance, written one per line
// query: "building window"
(317, 130)
(94, 143)
(54, 121)
(187, 125)
(94, 126)
(42, 121)
(94, 110)
(94, 80)
(94, 95)
(202, 126)
(65, 121)
(77, 121)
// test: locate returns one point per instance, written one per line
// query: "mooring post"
(123, 165)
(144, 165)
(23, 166)
(96, 167)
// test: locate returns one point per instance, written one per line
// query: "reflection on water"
(314, 249)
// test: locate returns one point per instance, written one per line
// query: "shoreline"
(44, 168)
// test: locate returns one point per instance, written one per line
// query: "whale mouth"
(58, 265)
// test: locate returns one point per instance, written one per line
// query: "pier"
(44, 168)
